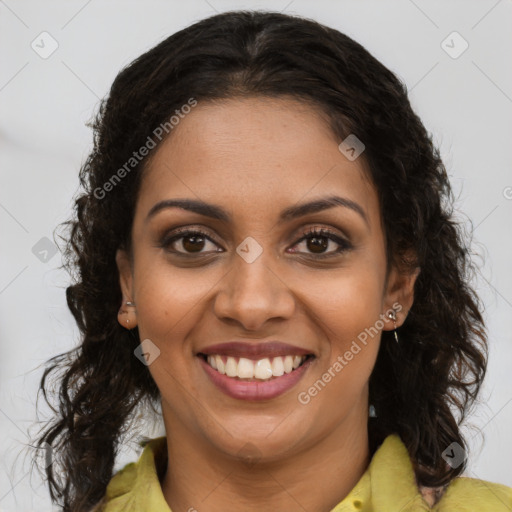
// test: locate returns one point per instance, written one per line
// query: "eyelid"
(321, 231)
(181, 232)
(305, 233)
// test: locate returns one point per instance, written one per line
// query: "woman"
(265, 248)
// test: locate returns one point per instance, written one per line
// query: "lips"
(255, 351)
(254, 371)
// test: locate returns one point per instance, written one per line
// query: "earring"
(130, 314)
(372, 413)
(392, 316)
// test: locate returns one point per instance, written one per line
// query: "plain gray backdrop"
(58, 58)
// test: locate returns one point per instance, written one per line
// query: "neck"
(318, 477)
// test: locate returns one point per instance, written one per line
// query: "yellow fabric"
(388, 485)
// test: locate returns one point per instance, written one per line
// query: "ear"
(125, 273)
(399, 295)
(127, 314)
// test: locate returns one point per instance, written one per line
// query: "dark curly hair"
(418, 386)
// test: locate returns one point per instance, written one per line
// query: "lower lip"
(255, 390)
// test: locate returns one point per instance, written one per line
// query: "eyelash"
(311, 233)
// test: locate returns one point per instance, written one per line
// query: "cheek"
(347, 302)
(348, 308)
(168, 309)
(169, 299)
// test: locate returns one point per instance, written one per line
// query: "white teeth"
(263, 369)
(220, 365)
(277, 367)
(245, 368)
(231, 367)
(288, 364)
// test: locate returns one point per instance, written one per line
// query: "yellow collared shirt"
(388, 485)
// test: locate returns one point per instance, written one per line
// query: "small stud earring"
(125, 312)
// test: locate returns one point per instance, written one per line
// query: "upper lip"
(254, 350)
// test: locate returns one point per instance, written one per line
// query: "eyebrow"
(293, 212)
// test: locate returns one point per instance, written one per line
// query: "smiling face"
(250, 276)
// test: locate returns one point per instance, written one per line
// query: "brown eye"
(187, 242)
(317, 242)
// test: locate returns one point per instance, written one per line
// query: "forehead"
(254, 153)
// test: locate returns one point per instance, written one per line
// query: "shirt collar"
(388, 483)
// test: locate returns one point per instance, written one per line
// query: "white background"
(465, 102)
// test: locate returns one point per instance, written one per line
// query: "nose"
(251, 294)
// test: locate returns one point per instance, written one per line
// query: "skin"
(255, 157)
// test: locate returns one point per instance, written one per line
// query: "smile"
(254, 379)
(261, 369)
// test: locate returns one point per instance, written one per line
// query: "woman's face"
(250, 290)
